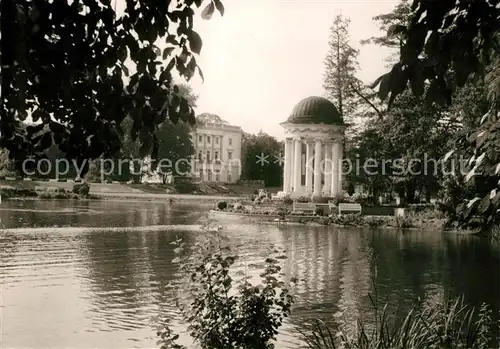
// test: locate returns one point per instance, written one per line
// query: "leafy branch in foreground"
(79, 67)
(222, 312)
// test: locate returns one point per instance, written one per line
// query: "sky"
(264, 56)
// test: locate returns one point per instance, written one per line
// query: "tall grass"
(449, 325)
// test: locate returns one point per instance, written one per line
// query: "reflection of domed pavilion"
(316, 123)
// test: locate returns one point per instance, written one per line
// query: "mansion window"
(208, 139)
(216, 140)
(216, 155)
(200, 138)
(230, 141)
(229, 155)
(208, 156)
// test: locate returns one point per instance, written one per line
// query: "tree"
(205, 118)
(174, 144)
(266, 147)
(341, 65)
(447, 44)
(81, 68)
(176, 148)
(406, 145)
(399, 17)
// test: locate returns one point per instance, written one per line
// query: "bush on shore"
(222, 205)
(81, 189)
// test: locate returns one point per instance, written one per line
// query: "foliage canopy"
(80, 68)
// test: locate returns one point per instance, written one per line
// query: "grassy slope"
(209, 189)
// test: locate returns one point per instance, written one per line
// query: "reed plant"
(449, 325)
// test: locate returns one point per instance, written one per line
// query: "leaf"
(219, 6)
(195, 42)
(484, 205)
(208, 11)
(448, 154)
(191, 68)
(480, 159)
(167, 51)
(396, 29)
(472, 202)
(125, 70)
(377, 82)
(201, 74)
(171, 64)
(493, 193)
(37, 115)
(192, 118)
(470, 174)
(497, 170)
(31, 130)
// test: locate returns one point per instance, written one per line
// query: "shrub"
(321, 199)
(348, 220)
(61, 196)
(320, 211)
(45, 196)
(375, 222)
(287, 200)
(403, 222)
(222, 205)
(337, 199)
(238, 314)
(304, 199)
(81, 189)
(324, 220)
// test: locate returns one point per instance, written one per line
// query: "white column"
(287, 173)
(328, 168)
(309, 168)
(297, 174)
(341, 158)
(317, 168)
(335, 169)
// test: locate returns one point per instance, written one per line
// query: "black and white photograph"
(250, 174)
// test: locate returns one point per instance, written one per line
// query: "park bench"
(349, 208)
(303, 207)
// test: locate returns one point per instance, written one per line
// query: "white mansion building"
(217, 152)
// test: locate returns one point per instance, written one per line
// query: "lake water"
(64, 288)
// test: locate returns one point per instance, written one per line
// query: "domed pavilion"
(314, 135)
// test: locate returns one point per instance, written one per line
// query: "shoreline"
(165, 198)
(297, 220)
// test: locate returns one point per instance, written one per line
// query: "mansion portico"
(314, 136)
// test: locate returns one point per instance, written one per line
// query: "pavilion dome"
(315, 110)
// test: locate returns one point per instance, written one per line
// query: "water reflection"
(107, 289)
